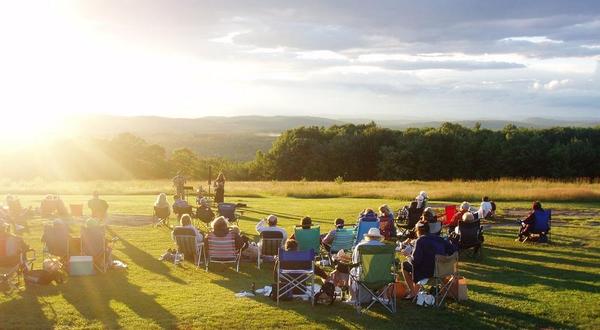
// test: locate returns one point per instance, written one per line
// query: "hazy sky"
(406, 59)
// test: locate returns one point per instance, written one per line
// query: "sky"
(434, 60)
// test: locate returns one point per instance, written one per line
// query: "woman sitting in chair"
(458, 216)
(420, 264)
(292, 245)
(220, 228)
(386, 222)
(528, 223)
(186, 228)
(305, 223)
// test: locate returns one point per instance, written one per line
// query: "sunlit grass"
(514, 286)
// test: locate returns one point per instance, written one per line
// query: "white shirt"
(262, 226)
(484, 209)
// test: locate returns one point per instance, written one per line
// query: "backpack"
(326, 295)
(40, 276)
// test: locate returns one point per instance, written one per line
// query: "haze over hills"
(239, 138)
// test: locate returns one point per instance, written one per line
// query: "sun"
(21, 129)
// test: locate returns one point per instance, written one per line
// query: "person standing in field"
(179, 182)
(98, 206)
(220, 188)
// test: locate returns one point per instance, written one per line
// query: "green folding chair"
(376, 275)
(343, 240)
(308, 238)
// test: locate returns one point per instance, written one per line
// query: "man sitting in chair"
(98, 206)
(272, 226)
(186, 228)
(420, 265)
(372, 237)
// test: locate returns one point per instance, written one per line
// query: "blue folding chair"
(541, 226)
(296, 270)
(228, 210)
(362, 228)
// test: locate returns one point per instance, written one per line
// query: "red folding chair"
(449, 212)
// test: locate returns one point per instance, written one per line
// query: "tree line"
(352, 152)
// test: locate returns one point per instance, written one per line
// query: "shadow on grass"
(282, 215)
(143, 259)
(99, 292)
(11, 318)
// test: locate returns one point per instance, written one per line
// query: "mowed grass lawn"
(514, 286)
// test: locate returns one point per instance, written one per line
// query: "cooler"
(81, 265)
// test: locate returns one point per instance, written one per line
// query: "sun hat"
(373, 233)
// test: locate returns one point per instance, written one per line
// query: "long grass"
(499, 190)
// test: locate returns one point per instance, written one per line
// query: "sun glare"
(26, 129)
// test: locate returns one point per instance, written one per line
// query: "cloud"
(535, 40)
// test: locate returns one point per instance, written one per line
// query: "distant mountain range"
(240, 137)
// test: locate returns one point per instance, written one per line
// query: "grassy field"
(500, 190)
(514, 286)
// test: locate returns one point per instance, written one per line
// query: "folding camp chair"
(205, 215)
(185, 239)
(222, 250)
(540, 233)
(470, 237)
(343, 240)
(405, 226)
(445, 266)
(228, 210)
(56, 239)
(449, 212)
(93, 243)
(14, 260)
(362, 228)
(376, 276)
(269, 245)
(161, 216)
(308, 239)
(296, 271)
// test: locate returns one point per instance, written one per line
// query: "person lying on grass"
(419, 266)
(186, 228)
(327, 239)
(271, 220)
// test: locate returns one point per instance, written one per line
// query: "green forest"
(352, 152)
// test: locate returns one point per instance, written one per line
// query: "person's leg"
(407, 273)
(321, 273)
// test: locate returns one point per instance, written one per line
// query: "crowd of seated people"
(420, 256)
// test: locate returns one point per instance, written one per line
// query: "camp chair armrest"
(30, 255)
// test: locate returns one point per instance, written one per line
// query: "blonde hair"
(385, 208)
(161, 201)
